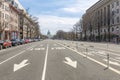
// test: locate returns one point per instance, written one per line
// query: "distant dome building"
(49, 34)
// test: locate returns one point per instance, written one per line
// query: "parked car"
(27, 41)
(1, 44)
(7, 43)
(22, 41)
(18, 41)
(35, 40)
(15, 42)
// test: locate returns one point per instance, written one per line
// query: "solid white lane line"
(12, 48)
(98, 62)
(14, 56)
(45, 64)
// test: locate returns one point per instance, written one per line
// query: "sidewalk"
(105, 46)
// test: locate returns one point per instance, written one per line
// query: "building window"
(113, 13)
(117, 3)
(3, 15)
(112, 5)
(3, 6)
(0, 14)
(113, 21)
(104, 30)
(104, 16)
(117, 10)
(118, 19)
(112, 29)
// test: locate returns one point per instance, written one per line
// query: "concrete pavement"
(52, 60)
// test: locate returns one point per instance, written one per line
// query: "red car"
(27, 41)
(7, 43)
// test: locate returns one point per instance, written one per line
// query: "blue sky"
(57, 14)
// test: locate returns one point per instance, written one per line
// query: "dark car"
(15, 42)
(22, 41)
(1, 44)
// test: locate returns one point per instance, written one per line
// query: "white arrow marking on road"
(21, 65)
(70, 62)
(114, 63)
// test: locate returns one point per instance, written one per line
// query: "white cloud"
(79, 6)
(71, 9)
(54, 23)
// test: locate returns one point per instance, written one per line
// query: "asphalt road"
(57, 60)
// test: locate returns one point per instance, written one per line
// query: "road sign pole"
(108, 60)
(86, 52)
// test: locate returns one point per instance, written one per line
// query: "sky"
(57, 14)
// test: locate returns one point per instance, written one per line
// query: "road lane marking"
(111, 62)
(15, 56)
(12, 48)
(118, 58)
(45, 64)
(21, 65)
(89, 53)
(70, 62)
(55, 44)
(37, 49)
(52, 48)
(41, 45)
(98, 62)
(102, 53)
(58, 48)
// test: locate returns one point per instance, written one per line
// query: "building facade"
(101, 22)
(4, 21)
(15, 22)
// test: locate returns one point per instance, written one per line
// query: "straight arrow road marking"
(111, 68)
(70, 62)
(21, 65)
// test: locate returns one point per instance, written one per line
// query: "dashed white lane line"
(45, 64)
(15, 55)
(111, 62)
(58, 48)
(41, 45)
(102, 64)
(118, 58)
(39, 49)
(52, 48)
(55, 44)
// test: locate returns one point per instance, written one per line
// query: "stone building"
(101, 22)
(14, 22)
(4, 20)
